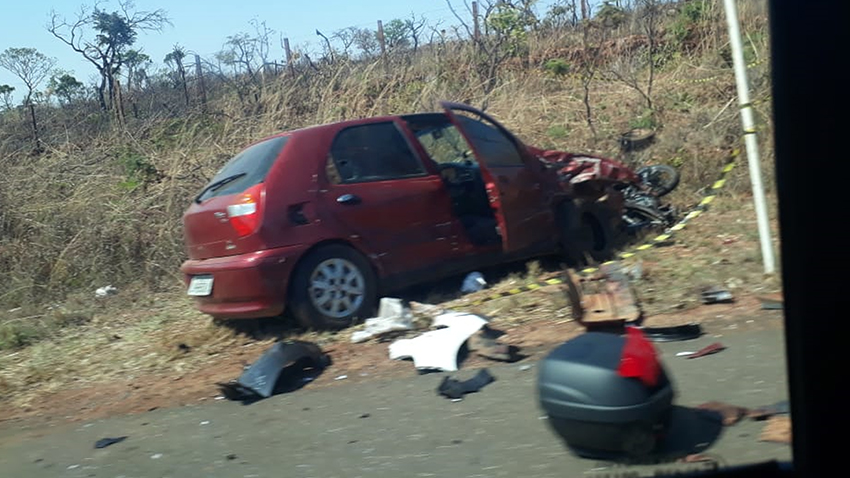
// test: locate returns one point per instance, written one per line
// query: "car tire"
(332, 288)
(661, 179)
(597, 234)
(586, 232)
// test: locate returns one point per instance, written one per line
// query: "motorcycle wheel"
(661, 179)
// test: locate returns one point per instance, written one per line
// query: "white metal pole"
(750, 139)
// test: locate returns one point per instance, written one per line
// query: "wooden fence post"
(199, 72)
(289, 65)
(383, 43)
(476, 32)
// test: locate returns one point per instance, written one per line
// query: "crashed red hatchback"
(322, 221)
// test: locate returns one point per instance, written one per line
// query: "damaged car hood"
(578, 168)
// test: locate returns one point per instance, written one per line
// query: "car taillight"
(245, 215)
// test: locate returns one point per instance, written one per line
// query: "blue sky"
(202, 26)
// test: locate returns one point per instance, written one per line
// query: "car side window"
(444, 144)
(372, 152)
(494, 147)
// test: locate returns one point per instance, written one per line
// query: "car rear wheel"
(333, 287)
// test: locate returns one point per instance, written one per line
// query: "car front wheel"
(333, 288)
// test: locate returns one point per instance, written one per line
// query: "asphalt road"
(399, 427)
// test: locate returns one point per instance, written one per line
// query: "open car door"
(513, 188)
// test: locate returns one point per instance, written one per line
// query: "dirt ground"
(357, 362)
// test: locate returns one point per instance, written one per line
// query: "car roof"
(352, 122)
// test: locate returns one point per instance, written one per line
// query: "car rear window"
(249, 168)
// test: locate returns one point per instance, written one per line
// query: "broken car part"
(772, 302)
(454, 389)
(485, 343)
(673, 334)
(707, 350)
(604, 300)
(597, 410)
(263, 378)
(716, 295)
(777, 430)
(393, 316)
(438, 349)
(763, 413)
(105, 442)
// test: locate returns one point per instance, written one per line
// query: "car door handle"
(348, 199)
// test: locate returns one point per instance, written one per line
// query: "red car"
(322, 221)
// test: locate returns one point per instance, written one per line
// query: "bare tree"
(32, 67)
(114, 34)
(504, 36)
(329, 51)
(415, 27)
(628, 65)
(346, 37)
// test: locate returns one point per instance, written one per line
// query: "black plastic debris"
(105, 442)
(285, 367)
(716, 295)
(672, 334)
(763, 413)
(453, 388)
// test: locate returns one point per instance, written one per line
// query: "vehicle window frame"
(331, 169)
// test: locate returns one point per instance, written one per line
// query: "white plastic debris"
(473, 282)
(437, 349)
(392, 316)
(105, 291)
(341, 377)
(156, 456)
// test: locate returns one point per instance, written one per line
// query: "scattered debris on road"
(772, 301)
(455, 389)
(393, 316)
(716, 295)
(763, 413)
(604, 300)
(707, 350)
(777, 430)
(673, 334)
(473, 282)
(729, 414)
(341, 377)
(265, 377)
(485, 343)
(105, 442)
(438, 349)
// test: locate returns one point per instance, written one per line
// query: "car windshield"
(244, 170)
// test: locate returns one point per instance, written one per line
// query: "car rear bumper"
(245, 286)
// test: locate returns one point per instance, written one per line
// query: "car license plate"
(200, 286)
